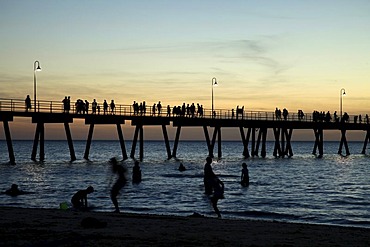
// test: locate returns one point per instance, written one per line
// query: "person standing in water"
(218, 187)
(118, 185)
(208, 176)
(136, 173)
(245, 176)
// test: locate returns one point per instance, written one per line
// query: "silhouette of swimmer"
(245, 176)
(136, 173)
(218, 187)
(182, 168)
(79, 200)
(208, 176)
(118, 185)
(14, 191)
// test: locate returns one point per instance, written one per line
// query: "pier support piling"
(367, 139)
(167, 143)
(245, 141)
(88, 142)
(121, 141)
(343, 141)
(319, 141)
(277, 149)
(138, 131)
(178, 131)
(70, 143)
(39, 136)
(9, 142)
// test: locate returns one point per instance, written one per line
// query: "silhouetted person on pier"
(27, 103)
(94, 105)
(87, 106)
(208, 176)
(168, 111)
(336, 118)
(300, 115)
(112, 106)
(136, 173)
(135, 107)
(367, 119)
(328, 117)
(118, 185)
(69, 104)
(153, 109)
(65, 104)
(218, 187)
(245, 176)
(79, 200)
(345, 117)
(105, 107)
(285, 114)
(159, 107)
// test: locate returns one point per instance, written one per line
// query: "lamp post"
(214, 83)
(34, 80)
(342, 92)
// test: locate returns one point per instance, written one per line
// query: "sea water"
(329, 190)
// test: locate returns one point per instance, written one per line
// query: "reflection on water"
(331, 190)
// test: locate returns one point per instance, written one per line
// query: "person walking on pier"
(159, 107)
(121, 171)
(105, 107)
(27, 102)
(208, 176)
(94, 105)
(112, 107)
(65, 104)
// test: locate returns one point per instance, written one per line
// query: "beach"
(55, 227)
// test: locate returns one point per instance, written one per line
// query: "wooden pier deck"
(253, 127)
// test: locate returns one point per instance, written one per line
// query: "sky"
(264, 54)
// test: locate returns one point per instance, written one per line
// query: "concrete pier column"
(9, 142)
(70, 143)
(88, 142)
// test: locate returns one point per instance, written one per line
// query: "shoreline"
(55, 227)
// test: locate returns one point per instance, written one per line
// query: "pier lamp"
(342, 92)
(38, 68)
(214, 83)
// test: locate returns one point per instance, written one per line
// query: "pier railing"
(45, 106)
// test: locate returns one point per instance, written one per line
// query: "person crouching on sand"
(121, 181)
(79, 200)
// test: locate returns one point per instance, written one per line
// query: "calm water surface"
(332, 190)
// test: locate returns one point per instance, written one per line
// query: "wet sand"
(54, 227)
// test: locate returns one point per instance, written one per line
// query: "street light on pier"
(342, 92)
(214, 83)
(38, 68)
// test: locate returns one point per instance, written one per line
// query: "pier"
(253, 127)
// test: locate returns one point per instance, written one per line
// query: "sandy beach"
(54, 227)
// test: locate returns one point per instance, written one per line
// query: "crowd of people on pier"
(193, 110)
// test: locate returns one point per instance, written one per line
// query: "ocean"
(331, 190)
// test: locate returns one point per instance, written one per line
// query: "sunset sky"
(264, 54)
